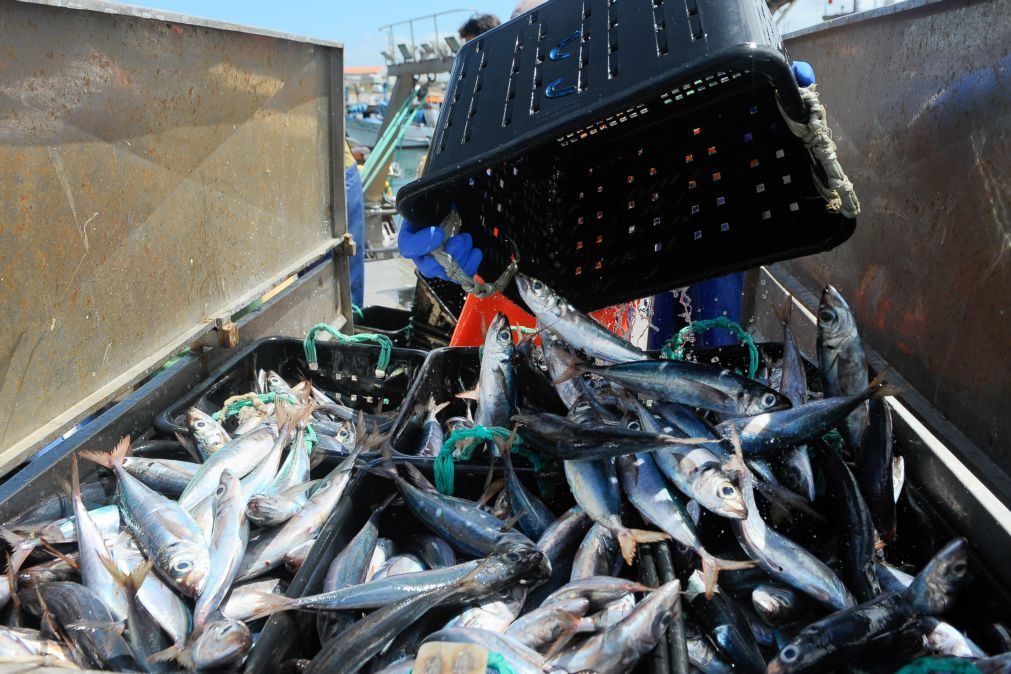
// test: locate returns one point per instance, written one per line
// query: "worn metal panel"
(918, 102)
(153, 176)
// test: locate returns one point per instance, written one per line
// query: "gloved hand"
(803, 73)
(417, 243)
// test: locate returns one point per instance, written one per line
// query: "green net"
(675, 347)
(385, 346)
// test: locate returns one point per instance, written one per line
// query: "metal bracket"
(225, 335)
(345, 246)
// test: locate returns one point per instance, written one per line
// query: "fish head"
(267, 508)
(187, 564)
(347, 435)
(933, 590)
(276, 384)
(537, 295)
(836, 324)
(717, 492)
(757, 399)
(207, 432)
(527, 563)
(498, 343)
(221, 642)
(229, 490)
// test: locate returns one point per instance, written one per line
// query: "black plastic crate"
(347, 373)
(394, 323)
(600, 138)
(436, 309)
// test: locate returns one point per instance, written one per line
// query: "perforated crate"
(626, 147)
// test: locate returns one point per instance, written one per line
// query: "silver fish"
(95, 558)
(598, 554)
(496, 394)
(210, 436)
(647, 491)
(163, 475)
(229, 537)
(283, 499)
(164, 530)
(145, 634)
(557, 357)
(222, 643)
(268, 552)
(598, 590)
(240, 455)
(594, 485)
(105, 518)
(384, 549)
(158, 598)
(619, 648)
(495, 614)
(783, 559)
(432, 436)
(572, 325)
(842, 359)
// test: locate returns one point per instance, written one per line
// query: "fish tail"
(628, 539)
(269, 604)
(879, 389)
(109, 459)
(472, 394)
(711, 567)
(174, 653)
(434, 408)
(22, 547)
(573, 367)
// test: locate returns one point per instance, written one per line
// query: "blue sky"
(356, 22)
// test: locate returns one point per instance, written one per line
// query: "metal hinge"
(345, 246)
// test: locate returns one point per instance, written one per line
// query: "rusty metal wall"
(918, 101)
(154, 176)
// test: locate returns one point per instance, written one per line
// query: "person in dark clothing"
(476, 25)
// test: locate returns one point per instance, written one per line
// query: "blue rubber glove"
(417, 243)
(803, 73)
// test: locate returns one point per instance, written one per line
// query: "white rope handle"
(817, 137)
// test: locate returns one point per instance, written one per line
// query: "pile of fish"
(154, 567)
(770, 501)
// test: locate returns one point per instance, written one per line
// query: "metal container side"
(158, 175)
(917, 101)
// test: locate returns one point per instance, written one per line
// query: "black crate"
(347, 373)
(601, 138)
(434, 314)
(394, 323)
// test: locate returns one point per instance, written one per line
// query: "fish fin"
(511, 522)
(296, 490)
(417, 478)
(13, 567)
(573, 368)
(269, 604)
(879, 389)
(189, 446)
(493, 489)
(694, 511)
(471, 394)
(109, 459)
(898, 477)
(174, 654)
(22, 546)
(711, 567)
(434, 408)
(628, 539)
(55, 552)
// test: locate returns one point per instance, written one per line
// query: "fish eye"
(789, 654)
(200, 424)
(182, 566)
(826, 315)
(538, 286)
(728, 490)
(505, 334)
(513, 556)
(768, 400)
(220, 490)
(634, 425)
(959, 569)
